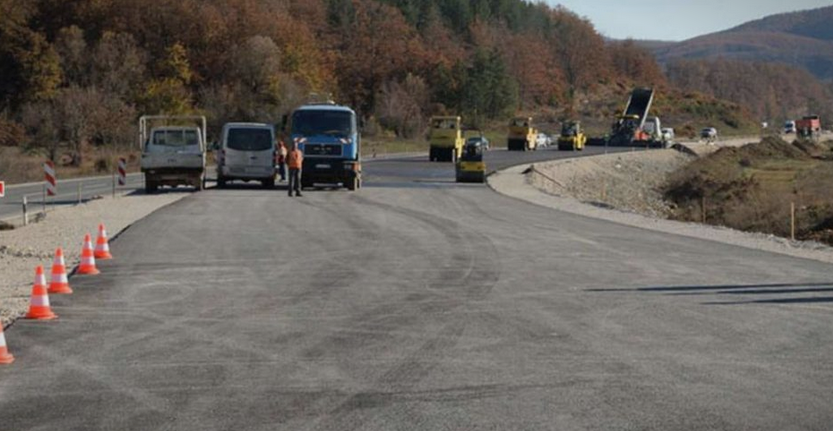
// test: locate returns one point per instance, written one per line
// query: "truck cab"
(173, 154)
(328, 135)
(445, 139)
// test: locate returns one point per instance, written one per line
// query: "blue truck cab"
(328, 135)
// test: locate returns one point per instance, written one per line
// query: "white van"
(247, 153)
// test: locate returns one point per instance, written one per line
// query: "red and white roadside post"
(2, 189)
(122, 171)
(50, 185)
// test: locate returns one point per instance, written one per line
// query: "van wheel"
(221, 183)
(269, 184)
(151, 187)
(353, 184)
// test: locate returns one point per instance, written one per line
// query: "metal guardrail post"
(44, 199)
(25, 211)
(79, 192)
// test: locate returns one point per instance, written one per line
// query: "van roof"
(324, 107)
(248, 125)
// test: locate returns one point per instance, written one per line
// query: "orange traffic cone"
(60, 283)
(39, 303)
(87, 266)
(5, 356)
(102, 246)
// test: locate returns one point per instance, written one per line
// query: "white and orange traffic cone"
(102, 245)
(5, 357)
(39, 308)
(87, 266)
(60, 282)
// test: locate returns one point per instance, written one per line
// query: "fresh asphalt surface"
(419, 304)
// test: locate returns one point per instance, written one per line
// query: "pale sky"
(677, 19)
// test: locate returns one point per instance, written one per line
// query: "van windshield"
(247, 139)
(175, 138)
(322, 123)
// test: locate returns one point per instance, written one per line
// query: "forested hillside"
(77, 73)
(801, 39)
(772, 91)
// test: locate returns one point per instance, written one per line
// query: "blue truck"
(328, 135)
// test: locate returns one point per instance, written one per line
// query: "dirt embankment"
(626, 181)
(754, 188)
(748, 187)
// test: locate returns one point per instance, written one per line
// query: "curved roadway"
(420, 304)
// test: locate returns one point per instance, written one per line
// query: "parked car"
(709, 134)
(543, 140)
(789, 127)
(479, 141)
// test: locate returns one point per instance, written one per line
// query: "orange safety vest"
(295, 159)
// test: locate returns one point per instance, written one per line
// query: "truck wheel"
(353, 184)
(221, 183)
(151, 187)
(199, 184)
(268, 184)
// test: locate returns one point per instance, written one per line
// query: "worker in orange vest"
(294, 161)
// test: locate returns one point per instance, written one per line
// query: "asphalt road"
(11, 204)
(419, 304)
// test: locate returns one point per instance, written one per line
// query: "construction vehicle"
(572, 137)
(628, 128)
(328, 135)
(445, 139)
(173, 151)
(808, 127)
(470, 167)
(522, 136)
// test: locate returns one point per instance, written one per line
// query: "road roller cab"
(470, 167)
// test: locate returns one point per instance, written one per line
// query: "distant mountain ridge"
(802, 39)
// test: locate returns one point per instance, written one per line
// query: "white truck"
(173, 151)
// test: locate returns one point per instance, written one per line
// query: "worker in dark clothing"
(294, 161)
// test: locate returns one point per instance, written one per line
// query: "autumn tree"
(402, 106)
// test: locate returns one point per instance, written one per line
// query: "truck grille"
(322, 150)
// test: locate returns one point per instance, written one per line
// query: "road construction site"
(421, 303)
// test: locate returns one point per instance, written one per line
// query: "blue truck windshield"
(326, 123)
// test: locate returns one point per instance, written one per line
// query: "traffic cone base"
(5, 357)
(102, 245)
(39, 308)
(87, 266)
(60, 282)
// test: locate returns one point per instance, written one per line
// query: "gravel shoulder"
(622, 188)
(24, 248)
